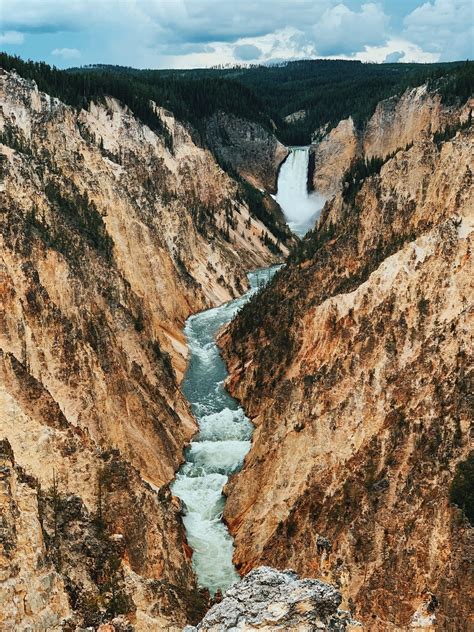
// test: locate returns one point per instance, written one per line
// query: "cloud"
(66, 53)
(222, 21)
(12, 37)
(52, 16)
(186, 33)
(181, 48)
(45, 16)
(444, 27)
(393, 58)
(247, 52)
(343, 31)
(410, 52)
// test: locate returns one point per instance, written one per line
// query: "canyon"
(337, 423)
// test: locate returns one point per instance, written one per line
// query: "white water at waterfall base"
(218, 450)
(300, 207)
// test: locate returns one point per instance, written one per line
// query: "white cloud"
(406, 52)
(444, 27)
(322, 27)
(285, 44)
(342, 31)
(66, 53)
(226, 21)
(185, 33)
(12, 37)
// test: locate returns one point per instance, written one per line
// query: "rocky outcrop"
(247, 148)
(110, 236)
(267, 599)
(396, 123)
(399, 121)
(295, 116)
(332, 156)
(355, 366)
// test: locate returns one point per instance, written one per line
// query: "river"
(218, 450)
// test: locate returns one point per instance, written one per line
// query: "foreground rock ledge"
(267, 599)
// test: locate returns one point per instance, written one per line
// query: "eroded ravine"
(218, 450)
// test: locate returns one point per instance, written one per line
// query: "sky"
(202, 33)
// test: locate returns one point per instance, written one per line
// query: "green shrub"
(80, 214)
(461, 492)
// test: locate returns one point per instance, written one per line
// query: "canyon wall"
(111, 236)
(396, 123)
(355, 365)
(247, 148)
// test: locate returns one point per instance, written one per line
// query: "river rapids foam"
(219, 448)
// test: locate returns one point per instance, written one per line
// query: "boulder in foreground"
(268, 599)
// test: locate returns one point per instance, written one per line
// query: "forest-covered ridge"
(326, 90)
(190, 100)
(329, 90)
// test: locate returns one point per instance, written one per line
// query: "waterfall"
(301, 208)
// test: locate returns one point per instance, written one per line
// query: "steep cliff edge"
(355, 364)
(396, 123)
(253, 155)
(111, 235)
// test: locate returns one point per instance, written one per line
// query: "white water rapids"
(219, 448)
(301, 208)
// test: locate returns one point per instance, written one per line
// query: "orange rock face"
(354, 365)
(396, 123)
